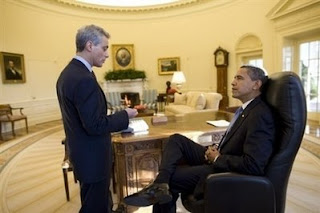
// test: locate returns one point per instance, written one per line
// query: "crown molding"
(174, 5)
(292, 17)
(289, 7)
(79, 9)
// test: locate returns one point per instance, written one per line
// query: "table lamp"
(178, 79)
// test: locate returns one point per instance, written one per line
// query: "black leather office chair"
(230, 192)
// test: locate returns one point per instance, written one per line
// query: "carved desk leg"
(136, 165)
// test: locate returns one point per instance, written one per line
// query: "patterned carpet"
(10, 146)
(31, 177)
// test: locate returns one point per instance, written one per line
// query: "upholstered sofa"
(193, 102)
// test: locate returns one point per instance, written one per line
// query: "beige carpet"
(32, 181)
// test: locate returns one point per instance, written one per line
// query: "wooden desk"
(137, 157)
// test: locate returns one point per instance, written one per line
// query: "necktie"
(233, 120)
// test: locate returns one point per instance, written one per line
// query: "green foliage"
(124, 74)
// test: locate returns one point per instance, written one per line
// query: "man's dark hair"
(256, 73)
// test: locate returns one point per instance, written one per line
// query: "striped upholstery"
(150, 98)
(114, 101)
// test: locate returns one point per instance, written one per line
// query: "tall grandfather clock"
(222, 62)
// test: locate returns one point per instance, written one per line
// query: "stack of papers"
(219, 123)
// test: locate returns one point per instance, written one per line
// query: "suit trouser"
(184, 168)
(95, 197)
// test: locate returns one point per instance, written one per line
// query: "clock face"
(220, 58)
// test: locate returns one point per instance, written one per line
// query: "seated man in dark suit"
(245, 148)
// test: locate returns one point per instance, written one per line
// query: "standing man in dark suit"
(87, 126)
(245, 148)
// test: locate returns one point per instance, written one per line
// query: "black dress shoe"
(150, 195)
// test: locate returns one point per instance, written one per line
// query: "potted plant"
(124, 74)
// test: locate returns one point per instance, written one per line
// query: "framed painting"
(123, 56)
(12, 68)
(167, 66)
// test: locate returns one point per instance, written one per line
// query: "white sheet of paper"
(219, 123)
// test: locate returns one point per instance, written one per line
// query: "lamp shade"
(178, 78)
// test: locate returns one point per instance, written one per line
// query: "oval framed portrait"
(123, 56)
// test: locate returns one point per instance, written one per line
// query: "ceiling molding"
(169, 6)
(288, 7)
(291, 17)
(79, 9)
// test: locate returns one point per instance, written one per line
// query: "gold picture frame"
(12, 68)
(167, 66)
(123, 56)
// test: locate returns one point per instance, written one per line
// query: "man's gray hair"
(89, 33)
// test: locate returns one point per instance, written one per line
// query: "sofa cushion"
(194, 101)
(180, 99)
(201, 102)
(212, 100)
(192, 98)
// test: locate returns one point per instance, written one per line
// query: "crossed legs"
(183, 168)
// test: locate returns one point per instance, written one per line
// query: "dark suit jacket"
(249, 144)
(87, 126)
(11, 76)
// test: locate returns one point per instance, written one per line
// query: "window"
(287, 58)
(255, 61)
(309, 68)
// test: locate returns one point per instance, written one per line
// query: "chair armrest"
(231, 192)
(18, 108)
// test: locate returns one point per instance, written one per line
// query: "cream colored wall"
(44, 32)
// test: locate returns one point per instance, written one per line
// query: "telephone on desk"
(136, 125)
